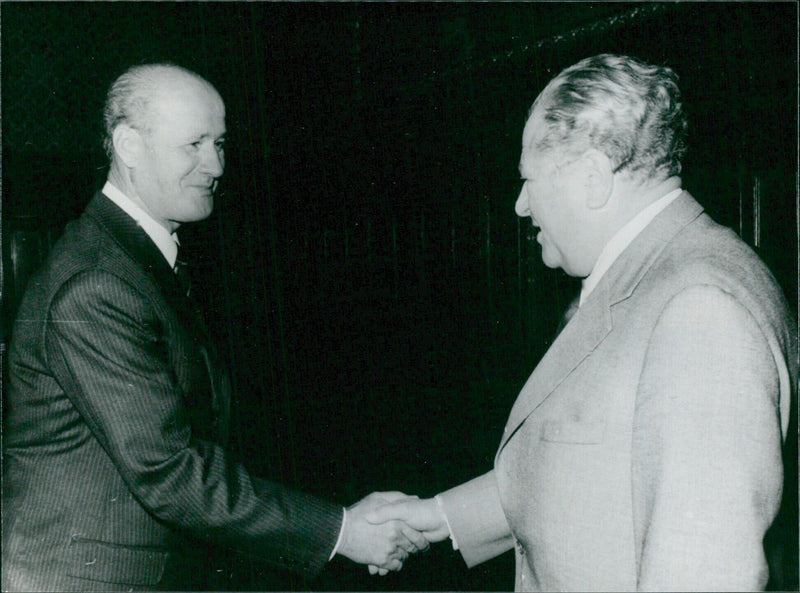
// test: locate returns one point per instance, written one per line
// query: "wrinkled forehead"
(190, 92)
(194, 104)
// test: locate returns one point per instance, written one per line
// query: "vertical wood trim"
(797, 233)
(757, 211)
(741, 207)
(488, 246)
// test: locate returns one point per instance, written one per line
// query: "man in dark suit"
(117, 406)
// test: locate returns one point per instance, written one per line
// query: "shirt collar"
(624, 237)
(166, 242)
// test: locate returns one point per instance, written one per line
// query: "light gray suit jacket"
(644, 452)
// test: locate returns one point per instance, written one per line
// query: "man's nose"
(213, 161)
(521, 207)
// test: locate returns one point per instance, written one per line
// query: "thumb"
(395, 496)
(387, 512)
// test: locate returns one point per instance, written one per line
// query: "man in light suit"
(644, 452)
(117, 406)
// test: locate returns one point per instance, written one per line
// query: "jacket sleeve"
(707, 471)
(477, 520)
(107, 348)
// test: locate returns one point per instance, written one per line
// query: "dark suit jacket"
(115, 428)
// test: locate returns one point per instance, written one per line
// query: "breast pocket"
(578, 432)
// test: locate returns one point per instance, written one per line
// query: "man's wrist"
(446, 521)
(341, 534)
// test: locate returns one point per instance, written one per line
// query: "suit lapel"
(582, 334)
(138, 245)
(593, 321)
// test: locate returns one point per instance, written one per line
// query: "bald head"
(137, 97)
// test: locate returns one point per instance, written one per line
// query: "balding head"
(136, 94)
(165, 131)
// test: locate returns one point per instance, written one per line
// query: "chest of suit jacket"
(565, 475)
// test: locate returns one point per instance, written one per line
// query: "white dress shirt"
(166, 242)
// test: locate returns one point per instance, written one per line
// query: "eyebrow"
(206, 136)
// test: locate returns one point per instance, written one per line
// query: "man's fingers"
(408, 538)
(395, 565)
(379, 571)
(402, 541)
(419, 541)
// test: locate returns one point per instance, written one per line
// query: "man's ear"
(598, 178)
(127, 144)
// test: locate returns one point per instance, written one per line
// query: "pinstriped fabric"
(115, 426)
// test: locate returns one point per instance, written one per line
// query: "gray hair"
(629, 110)
(130, 97)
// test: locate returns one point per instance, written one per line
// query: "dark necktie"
(182, 273)
(571, 310)
(183, 276)
(218, 382)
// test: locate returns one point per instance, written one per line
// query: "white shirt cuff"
(447, 521)
(341, 533)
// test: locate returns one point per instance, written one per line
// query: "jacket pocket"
(115, 563)
(571, 431)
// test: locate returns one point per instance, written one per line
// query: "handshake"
(382, 529)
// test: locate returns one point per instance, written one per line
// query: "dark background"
(379, 301)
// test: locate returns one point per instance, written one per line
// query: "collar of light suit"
(592, 323)
(622, 239)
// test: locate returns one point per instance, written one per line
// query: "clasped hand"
(385, 527)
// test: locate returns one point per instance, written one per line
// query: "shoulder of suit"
(724, 262)
(84, 247)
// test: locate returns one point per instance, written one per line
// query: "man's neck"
(637, 196)
(123, 182)
(165, 241)
(626, 233)
(631, 197)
